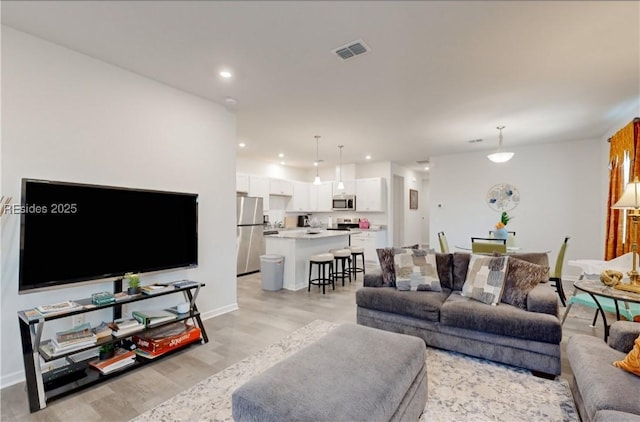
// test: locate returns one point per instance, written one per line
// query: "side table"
(596, 289)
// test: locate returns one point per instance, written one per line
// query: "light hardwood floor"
(263, 318)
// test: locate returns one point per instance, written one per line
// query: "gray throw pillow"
(485, 278)
(521, 278)
(416, 270)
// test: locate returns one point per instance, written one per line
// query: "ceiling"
(438, 74)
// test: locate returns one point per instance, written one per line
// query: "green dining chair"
(444, 245)
(555, 278)
(485, 245)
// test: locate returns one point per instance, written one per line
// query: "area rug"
(460, 388)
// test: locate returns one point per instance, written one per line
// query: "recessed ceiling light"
(315, 163)
(281, 155)
(242, 145)
(225, 74)
(282, 163)
(426, 168)
(368, 157)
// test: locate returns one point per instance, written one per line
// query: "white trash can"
(272, 269)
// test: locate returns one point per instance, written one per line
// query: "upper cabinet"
(300, 198)
(370, 195)
(280, 187)
(349, 188)
(259, 186)
(320, 197)
(242, 182)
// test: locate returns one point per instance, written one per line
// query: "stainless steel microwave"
(344, 203)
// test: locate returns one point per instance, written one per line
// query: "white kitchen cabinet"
(370, 240)
(349, 188)
(259, 186)
(280, 187)
(370, 195)
(324, 197)
(242, 182)
(300, 198)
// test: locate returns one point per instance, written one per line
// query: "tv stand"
(75, 376)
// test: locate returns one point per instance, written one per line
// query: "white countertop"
(304, 234)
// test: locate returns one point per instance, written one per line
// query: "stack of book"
(57, 308)
(73, 339)
(120, 359)
(125, 326)
(154, 289)
(179, 284)
(101, 331)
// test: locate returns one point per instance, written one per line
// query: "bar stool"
(322, 260)
(342, 256)
(357, 251)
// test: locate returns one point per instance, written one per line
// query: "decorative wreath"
(611, 277)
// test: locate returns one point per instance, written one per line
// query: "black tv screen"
(74, 232)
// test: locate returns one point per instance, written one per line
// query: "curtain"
(625, 143)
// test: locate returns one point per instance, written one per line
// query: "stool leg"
(324, 282)
(349, 269)
(363, 266)
(331, 277)
(310, 267)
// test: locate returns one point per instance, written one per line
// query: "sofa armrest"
(373, 278)
(542, 300)
(622, 334)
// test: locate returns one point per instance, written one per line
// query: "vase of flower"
(501, 227)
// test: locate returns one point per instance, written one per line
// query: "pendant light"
(500, 156)
(317, 181)
(340, 184)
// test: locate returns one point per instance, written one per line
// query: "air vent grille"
(352, 49)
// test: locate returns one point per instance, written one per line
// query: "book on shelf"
(65, 306)
(154, 289)
(78, 332)
(153, 343)
(124, 326)
(52, 349)
(178, 283)
(151, 318)
(32, 314)
(120, 359)
(101, 331)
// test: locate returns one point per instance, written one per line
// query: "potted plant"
(501, 231)
(133, 281)
(107, 351)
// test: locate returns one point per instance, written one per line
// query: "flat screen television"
(73, 232)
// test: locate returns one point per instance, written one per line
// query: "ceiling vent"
(352, 49)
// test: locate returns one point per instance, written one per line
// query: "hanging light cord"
(340, 146)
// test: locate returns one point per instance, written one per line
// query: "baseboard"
(18, 376)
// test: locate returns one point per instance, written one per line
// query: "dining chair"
(555, 278)
(491, 233)
(444, 245)
(488, 245)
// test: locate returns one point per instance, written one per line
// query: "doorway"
(398, 210)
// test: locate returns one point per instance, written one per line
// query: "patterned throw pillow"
(485, 278)
(631, 362)
(385, 256)
(416, 270)
(522, 277)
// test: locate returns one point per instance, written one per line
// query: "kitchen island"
(297, 246)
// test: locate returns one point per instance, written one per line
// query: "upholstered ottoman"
(354, 373)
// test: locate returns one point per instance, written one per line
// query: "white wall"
(270, 169)
(69, 117)
(562, 191)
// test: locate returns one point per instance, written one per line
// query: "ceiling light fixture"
(242, 145)
(281, 155)
(225, 74)
(500, 156)
(317, 181)
(340, 184)
(368, 157)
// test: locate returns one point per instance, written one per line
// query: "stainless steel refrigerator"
(250, 244)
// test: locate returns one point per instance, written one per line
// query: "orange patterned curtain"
(624, 143)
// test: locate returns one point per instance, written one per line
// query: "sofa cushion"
(385, 256)
(423, 305)
(521, 278)
(416, 270)
(460, 267)
(539, 258)
(631, 362)
(601, 385)
(506, 320)
(485, 278)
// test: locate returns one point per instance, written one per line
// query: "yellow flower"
(499, 225)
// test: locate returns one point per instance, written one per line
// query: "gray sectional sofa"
(508, 334)
(601, 391)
